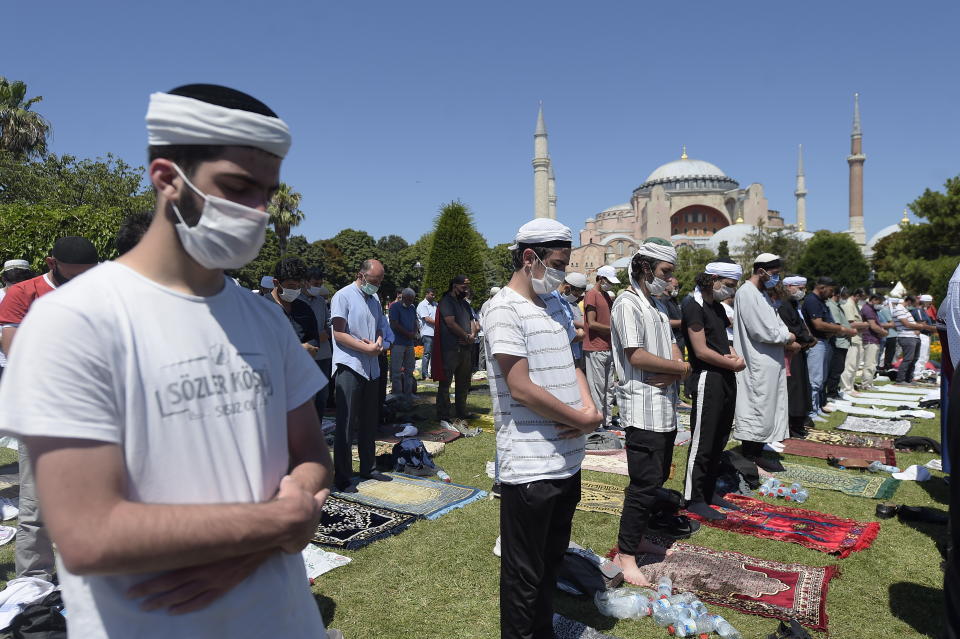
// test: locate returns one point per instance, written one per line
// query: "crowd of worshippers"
(186, 411)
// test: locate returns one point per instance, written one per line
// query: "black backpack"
(41, 620)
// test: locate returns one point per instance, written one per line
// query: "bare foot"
(648, 546)
(631, 572)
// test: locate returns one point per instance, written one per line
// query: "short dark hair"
(291, 268)
(132, 229)
(858, 291)
(541, 251)
(875, 296)
(430, 290)
(825, 281)
(910, 298)
(314, 273)
(189, 156)
(16, 275)
(704, 280)
(636, 265)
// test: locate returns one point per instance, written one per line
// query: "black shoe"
(921, 514)
(346, 488)
(676, 527)
(769, 465)
(720, 502)
(703, 510)
(377, 475)
(495, 491)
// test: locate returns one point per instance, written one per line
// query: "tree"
(924, 256)
(285, 213)
(782, 242)
(498, 265)
(356, 246)
(690, 263)
(23, 132)
(457, 249)
(834, 255)
(723, 250)
(389, 251)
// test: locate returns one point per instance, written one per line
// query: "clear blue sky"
(397, 107)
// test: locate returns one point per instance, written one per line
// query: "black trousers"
(357, 412)
(535, 523)
(837, 361)
(889, 351)
(911, 353)
(714, 403)
(648, 461)
(320, 400)
(457, 367)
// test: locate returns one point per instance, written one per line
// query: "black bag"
(917, 443)
(41, 620)
(584, 572)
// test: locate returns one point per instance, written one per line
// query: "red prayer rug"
(820, 450)
(809, 528)
(748, 584)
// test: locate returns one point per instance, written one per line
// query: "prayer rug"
(820, 450)
(809, 528)
(864, 411)
(564, 628)
(748, 584)
(849, 439)
(895, 427)
(866, 484)
(614, 461)
(418, 496)
(349, 525)
(896, 396)
(596, 497)
(908, 401)
(907, 390)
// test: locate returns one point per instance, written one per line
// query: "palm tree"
(22, 132)
(285, 213)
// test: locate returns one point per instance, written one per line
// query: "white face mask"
(289, 294)
(571, 299)
(228, 234)
(657, 286)
(551, 280)
(798, 294)
(606, 286)
(313, 291)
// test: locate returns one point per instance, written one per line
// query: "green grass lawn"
(439, 579)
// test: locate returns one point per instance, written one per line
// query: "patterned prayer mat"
(564, 628)
(820, 450)
(748, 584)
(614, 461)
(349, 525)
(419, 496)
(809, 528)
(849, 482)
(895, 427)
(600, 498)
(848, 439)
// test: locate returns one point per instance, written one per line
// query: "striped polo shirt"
(636, 323)
(529, 447)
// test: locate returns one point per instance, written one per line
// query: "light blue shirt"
(886, 316)
(365, 319)
(576, 347)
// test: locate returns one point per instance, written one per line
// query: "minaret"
(855, 161)
(541, 169)
(801, 193)
(552, 193)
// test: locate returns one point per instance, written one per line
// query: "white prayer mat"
(897, 396)
(863, 411)
(906, 390)
(895, 403)
(319, 561)
(876, 425)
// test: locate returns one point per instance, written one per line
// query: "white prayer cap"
(913, 473)
(177, 119)
(576, 280)
(766, 258)
(542, 230)
(894, 300)
(494, 290)
(926, 298)
(609, 273)
(9, 265)
(795, 280)
(724, 269)
(266, 281)
(659, 250)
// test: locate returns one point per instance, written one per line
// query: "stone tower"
(541, 170)
(856, 160)
(801, 193)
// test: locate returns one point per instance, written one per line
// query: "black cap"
(75, 250)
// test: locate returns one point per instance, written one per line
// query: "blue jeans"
(427, 350)
(818, 365)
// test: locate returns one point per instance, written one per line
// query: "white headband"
(658, 252)
(175, 119)
(724, 269)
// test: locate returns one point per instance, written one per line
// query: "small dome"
(619, 207)
(686, 168)
(622, 263)
(734, 235)
(882, 233)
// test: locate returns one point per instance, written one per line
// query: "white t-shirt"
(196, 393)
(529, 447)
(426, 309)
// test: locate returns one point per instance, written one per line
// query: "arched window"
(620, 248)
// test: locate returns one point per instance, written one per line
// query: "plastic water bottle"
(801, 496)
(622, 603)
(795, 488)
(708, 623)
(665, 586)
(664, 616)
(725, 630)
(699, 608)
(443, 476)
(651, 595)
(877, 467)
(682, 598)
(685, 628)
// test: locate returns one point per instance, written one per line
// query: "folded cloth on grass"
(895, 427)
(417, 496)
(809, 528)
(18, 593)
(857, 484)
(820, 450)
(852, 409)
(318, 561)
(849, 439)
(896, 396)
(350, 525)
(7, 533)
(906, 402)
(564, 628)
(748, 584)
